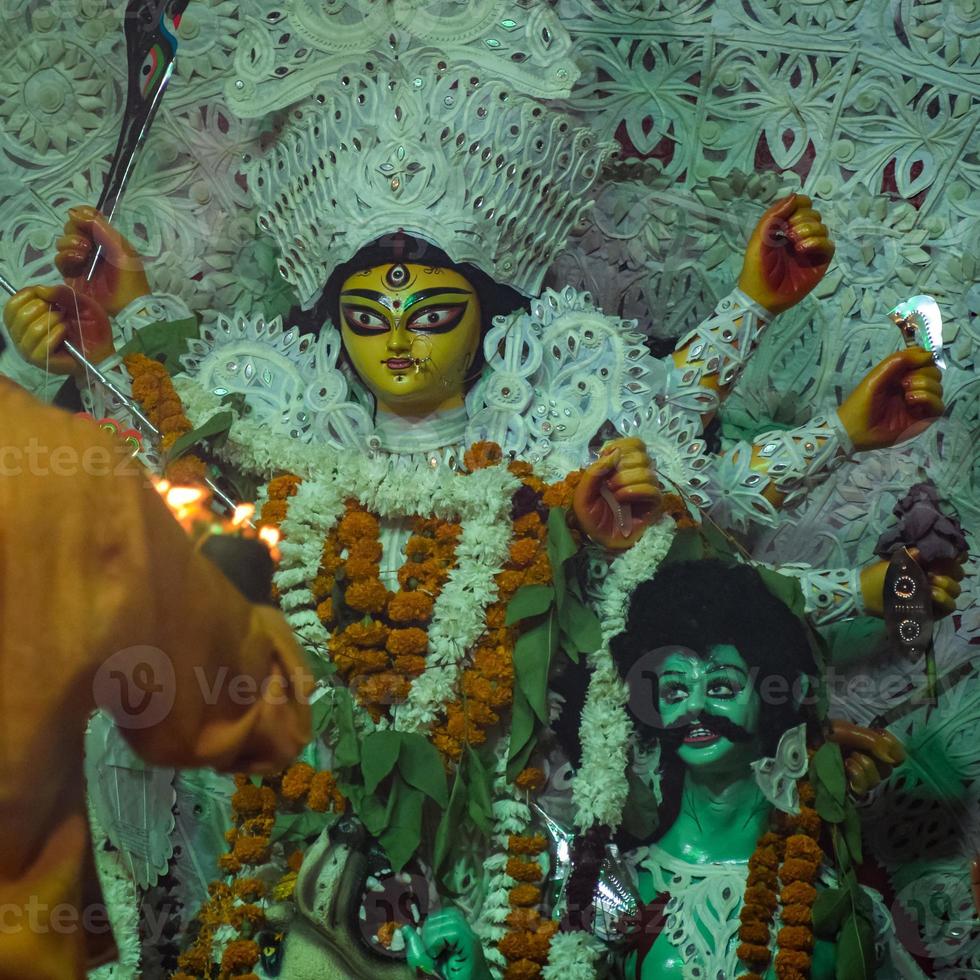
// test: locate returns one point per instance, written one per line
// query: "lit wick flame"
(191, 506)
(270, 535)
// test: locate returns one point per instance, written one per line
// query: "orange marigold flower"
(527, 919)
(525, 946)
(754, 954)
(360, 661)
(522, 970)
(482, 454)
(496, 664)
(358, 569)
(419, 548)
(754, 932)
(523, 870)
(794, 869)
(247, 914)
(410, 607)
(765, 856)
(383, 689)
(791, 964)
(252, 850)
(324, 795)
(324, 611)
(240, 954)
(367, 597)
(247, 799)
(248, 889)
(807, 793)
(795, 937)
(407, 642)
(196, 959)
(808, 822)
(295, 861)
(496, 616)
(798, 893)
(760, 895)
(476, 687)
(508, 582)
(357, 525)
(530, 779)
(524, 895)
(448, 532)
(765, 877)
(527, 844)
(529, 524)
(451, 748)
(520, 469)
(365, 549)
(296, 780)
(273, 512)
(557, 495)
(281, 487)
(797, 915)
(410, 666)
(229, 864)
(371, 634)
(477, 713)
(523, 551)
(386, 933)
(187, 470)
(803, 847)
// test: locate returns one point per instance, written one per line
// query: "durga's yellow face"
(411, 332)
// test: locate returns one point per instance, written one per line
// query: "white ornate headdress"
(440, 145)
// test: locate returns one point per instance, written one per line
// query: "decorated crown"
(491, 176)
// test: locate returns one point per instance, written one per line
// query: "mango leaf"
(480, 800)
(528, 601)
(402, 836)
(580, 628)
(640, 813)
(379, 754)
(561, 546)
(523, 724)
(449, 824)
(688, 545)
(216, 426)
(855, 949)
(852, 833)
(347, 745)
(784, 588)
(532, 662)
(297, 826)
(421, 767)
(164, 341)
(829, 909)
(829, 782)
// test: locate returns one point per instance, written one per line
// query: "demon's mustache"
(673, 737)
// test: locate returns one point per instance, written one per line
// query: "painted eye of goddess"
(363, 321)
(437, 319)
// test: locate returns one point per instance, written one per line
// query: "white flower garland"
(600, 786)
(480, 501)
(511, 815)
(572, 956)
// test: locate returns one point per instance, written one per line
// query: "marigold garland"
(789, 855)
(235, 904)
(156, 395)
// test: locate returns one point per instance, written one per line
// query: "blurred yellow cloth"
(104, 603)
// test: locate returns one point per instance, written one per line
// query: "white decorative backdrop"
(872, 107)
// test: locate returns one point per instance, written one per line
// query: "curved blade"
(922, 323)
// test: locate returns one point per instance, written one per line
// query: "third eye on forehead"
(721, 660)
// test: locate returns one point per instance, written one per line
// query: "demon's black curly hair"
(704, 604)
